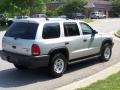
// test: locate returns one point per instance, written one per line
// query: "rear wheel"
(106, 52)
(20, 67)
(58, 65)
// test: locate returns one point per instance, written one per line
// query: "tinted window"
(71, 29)
(86, 29)
(22, 30)
(51, 30)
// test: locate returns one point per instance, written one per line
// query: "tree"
(69, 6)
(72, 6)
(116, 7)
(18, 7)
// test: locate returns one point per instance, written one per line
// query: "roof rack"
(46, 18)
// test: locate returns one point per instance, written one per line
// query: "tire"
(57, 66)
(20, 67)
(106, 52)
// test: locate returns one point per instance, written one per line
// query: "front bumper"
(28, 61)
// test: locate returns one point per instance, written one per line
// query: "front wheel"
(58, 65)
(106, 52)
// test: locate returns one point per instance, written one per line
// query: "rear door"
(20, 37)
(73, 40)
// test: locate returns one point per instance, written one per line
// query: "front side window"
(86, 29)
(71, 29)
(51, 30)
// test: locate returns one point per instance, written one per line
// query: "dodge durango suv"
(54, 43)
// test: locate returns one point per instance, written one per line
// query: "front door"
(91, 42)
(73, 39)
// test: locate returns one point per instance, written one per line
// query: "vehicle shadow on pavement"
(81, 65)
(15, 78)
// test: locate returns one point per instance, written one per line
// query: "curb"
(92, 79)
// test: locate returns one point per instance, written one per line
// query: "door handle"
(85, 40)
(66, 43)
(14, 47)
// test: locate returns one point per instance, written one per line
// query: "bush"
(9, 22)
(52, 13)
(2, 23)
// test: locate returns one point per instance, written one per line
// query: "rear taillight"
(35, 50)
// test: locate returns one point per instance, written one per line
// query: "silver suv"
(53, 43)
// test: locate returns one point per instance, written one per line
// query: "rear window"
(22, 30)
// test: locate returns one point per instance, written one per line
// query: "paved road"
(106, 25)
(13, 79)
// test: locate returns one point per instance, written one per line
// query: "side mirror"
(94, 32)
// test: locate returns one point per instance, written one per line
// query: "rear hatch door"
(20, 37)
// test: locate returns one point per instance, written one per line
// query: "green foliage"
(72, 6)
(69, 6)
(3, 28)
(116, 7)
(88, 20)
(21, 7)
(111, 83)
(61, 11)
(28, 7)
(118, 32)
(52, 13)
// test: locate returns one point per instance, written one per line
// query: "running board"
(85, 59)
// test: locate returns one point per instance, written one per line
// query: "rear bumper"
(28, 61)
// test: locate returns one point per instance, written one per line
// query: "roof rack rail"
(46, 18)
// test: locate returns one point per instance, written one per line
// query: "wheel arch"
(108, 40)
(63, 50)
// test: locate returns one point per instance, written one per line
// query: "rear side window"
(51, 30)
(22, 30)
(71, 29)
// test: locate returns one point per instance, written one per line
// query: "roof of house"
(102, 2)
(91, 4)
(99, 4)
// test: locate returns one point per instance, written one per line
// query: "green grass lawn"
(88, 20)
(111, 83)
(118, 32)
(2, 28)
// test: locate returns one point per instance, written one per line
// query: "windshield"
(22, 30)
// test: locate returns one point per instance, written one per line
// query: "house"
(100, 6)
(94, 5)
(54, 4)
